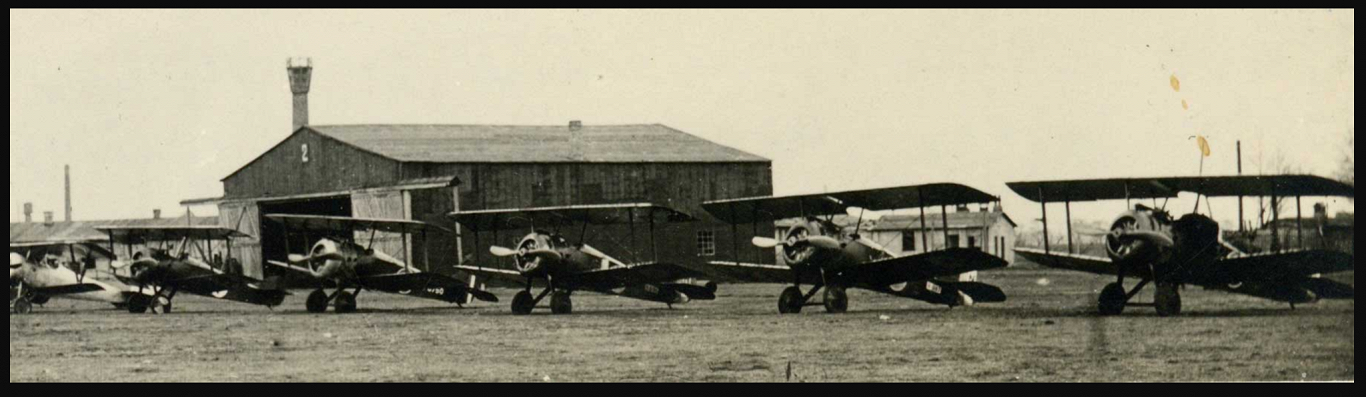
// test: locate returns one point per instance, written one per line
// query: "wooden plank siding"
(680, 186)
(332, 166)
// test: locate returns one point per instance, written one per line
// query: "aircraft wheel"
(523, 303)
(137, 305)
(1168, 300)
(791, 301)
(317, 302)
(346, 303)
(561, 303)
(23, 306)
(1113, 299)
(836, 300)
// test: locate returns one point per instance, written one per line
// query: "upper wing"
(1080, 263)
(924, 267)
(421, 284)
(344, 224)
(1275, 267)
(651, 273)
(763, 209)
(754, 273)
(1146, 188)
(550, 217)
(72, 289)
(142, 235)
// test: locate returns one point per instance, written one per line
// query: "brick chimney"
(300, 82)
(48, 218)
(156, 215)
(28, 212)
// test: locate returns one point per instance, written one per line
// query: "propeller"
(767, 243)
(326, 256)
(502, 252)
(593, 252)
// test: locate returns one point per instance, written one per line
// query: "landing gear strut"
(344, 302)
(525, 303)
(793, 300)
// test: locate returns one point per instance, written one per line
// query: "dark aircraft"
(185, 262)
(565, 267)
(339, 260)
(820, 253)
(1147, 243)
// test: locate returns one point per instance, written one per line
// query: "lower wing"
(628, 276)
(72, 289)
(296, 269)
(755, 273)
(923, 267)
(426, 285)
(1080, 263)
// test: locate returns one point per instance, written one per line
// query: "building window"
(706, 243)
(954, 242)
(972, 242)
(908, 242)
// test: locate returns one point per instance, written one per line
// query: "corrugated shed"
(534, 144)
(37, 232)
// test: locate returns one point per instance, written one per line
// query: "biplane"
(195, 260)
(564, 267)
(820, 253)
(1147, 243)
(337, 259)
(39, 272)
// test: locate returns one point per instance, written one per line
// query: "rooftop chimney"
(156, 215)
(28, 212)
(68, 193)
(48, 218)
(300, 80)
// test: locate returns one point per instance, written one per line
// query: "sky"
(150, 108)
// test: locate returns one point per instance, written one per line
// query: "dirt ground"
(1047, 332)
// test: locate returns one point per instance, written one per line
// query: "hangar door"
(384, 205)
(245, 218)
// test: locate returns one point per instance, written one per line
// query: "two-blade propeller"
(547, 254)
(822, 242)
(325, 256)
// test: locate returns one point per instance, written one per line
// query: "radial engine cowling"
(1138, 238)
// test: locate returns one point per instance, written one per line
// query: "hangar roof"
(652, 143)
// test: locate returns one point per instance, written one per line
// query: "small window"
(908, 242)
(954, 242)
(706, 243)
(972, 242)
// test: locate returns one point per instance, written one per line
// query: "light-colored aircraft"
(820, 253)
(43, 271)
(563, 267)
(192, 259)
(339, 261)
(1148, 244)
